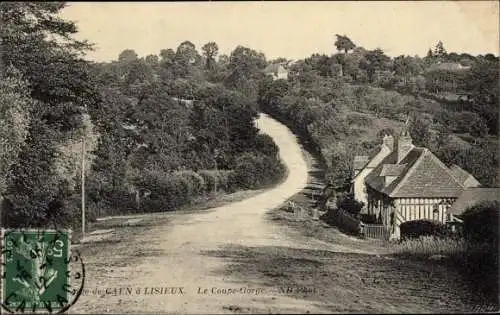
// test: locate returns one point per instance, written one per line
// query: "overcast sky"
(292, 30)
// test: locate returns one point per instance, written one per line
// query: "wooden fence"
(377, 231)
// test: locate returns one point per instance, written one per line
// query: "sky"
(293, 30)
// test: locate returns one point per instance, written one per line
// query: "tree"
(246, 61)
(419, 130)
(223, 60)
(127, 56)
(15, 104)
(373, 61)
(210, 50)
(440, 51)
(151, 61)
(167, 55)
(344, 43)
(245, 70)
(139, 72)
(406, 67)
(352, 63)
(186, 59)
(40, 44)
(187, 54)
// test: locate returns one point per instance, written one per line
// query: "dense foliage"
(347, 203)
(159, 131)
(178, 128)
(45, 85)
(481, 233)
(343, 103)
(481, 223)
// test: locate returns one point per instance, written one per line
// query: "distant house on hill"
(277, 71)
(447, 66)
(402, 182)
(472, 196)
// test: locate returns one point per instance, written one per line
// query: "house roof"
(372, 161)
(462, 175)
(392, 169)
(472, 196)
(459, 173)
(449, 66)
(421, 175)
(360, 161)
(275, 68)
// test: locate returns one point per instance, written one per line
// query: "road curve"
(180, 248)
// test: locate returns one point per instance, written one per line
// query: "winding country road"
(179, 248)
(233, 259)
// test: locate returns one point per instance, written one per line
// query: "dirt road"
(233, 259)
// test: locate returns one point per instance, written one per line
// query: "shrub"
(343, 220)
(225, 180)
(196, 182)
(418, 228)
(481, 232)
(265, 144)
(209, 177)
(347, 203)
(481, 223)
(256, 170)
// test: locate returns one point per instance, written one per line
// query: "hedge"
(418, 228)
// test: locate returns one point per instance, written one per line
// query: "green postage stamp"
(40, 274)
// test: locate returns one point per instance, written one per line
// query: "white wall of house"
(360, 187)
(411, 209)
(282, 75)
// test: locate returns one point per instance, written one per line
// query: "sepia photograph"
(249, 157)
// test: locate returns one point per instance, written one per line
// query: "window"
(435, 213)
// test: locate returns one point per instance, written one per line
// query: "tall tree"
(40, 44)
(210, 50)
(186, 58)
(344, 43)
(245, 67)
(440, 52)
(186, 53)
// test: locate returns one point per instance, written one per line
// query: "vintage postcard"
(220, 157)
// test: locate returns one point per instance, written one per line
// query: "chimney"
(388, 141)
(404, 145)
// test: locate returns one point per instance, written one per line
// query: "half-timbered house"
(410, 183)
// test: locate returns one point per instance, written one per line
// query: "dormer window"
(390, 172)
